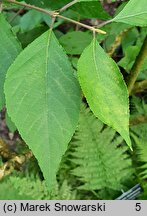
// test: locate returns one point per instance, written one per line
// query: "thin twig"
(83, 25)
(52, 23)
(53, 14)
(67, 5)
(137, 66)
(105, 23)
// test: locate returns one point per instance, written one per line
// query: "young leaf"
(104, 88)
(134, 13)
(9, 49)
(43, 100)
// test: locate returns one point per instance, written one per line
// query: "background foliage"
(57, 138)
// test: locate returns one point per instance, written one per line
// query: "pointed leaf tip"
(44, 103)
(104, 88)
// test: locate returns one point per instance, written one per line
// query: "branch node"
(55, 14)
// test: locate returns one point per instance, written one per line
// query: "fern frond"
(138, 106)
(100, 162)
(37, 189)
(141, 157)
(9, 192)
(140, 109)
(34, 188)
(140, 130)
(141, 152)
(65, 192)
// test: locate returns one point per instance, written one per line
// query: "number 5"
(138, 207)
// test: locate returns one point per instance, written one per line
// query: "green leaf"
(48, 20)
(44, 102)
(30, 20)
(90, 9)
(75, 42)
(86, 8)
(131, 46)
(27, 37)
(85, 0)
(10, 17)
(130, 38)
(53, 4)
(115, 29)
(128, 60)
(104, 88)
(9, 49)
(134, 13)
(129, 57)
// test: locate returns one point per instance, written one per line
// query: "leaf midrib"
(46, 82)
(95, 64)
(128, 16)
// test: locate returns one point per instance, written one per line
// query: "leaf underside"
(43, 100)
(104, 88)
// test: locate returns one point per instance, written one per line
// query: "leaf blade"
(47, 98)
(90, 9)
(104, 88)
(9, 49)
(134, 13)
